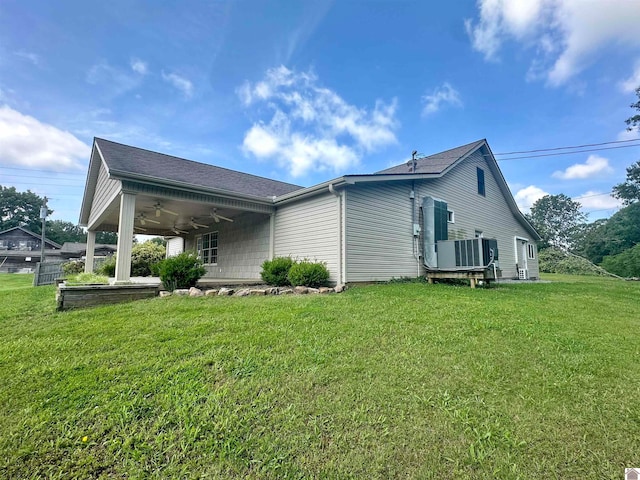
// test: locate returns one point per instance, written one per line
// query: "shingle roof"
(437, 163)
(124, 160)
(77, 247)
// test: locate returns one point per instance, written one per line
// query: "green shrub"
(144, 256)
(276, 271)
(108, 267)
(182, 271)
(309, 274)
(87, 279)
(72, 267)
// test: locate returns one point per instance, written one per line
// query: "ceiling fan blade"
(224, 218)
(152, 221)
(169, 212)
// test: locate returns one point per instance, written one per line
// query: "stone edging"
(244, 292)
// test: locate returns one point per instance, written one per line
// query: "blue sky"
(304, 91)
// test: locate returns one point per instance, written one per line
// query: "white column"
(91, 246)
(125, 236)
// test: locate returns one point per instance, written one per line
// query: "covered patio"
(227, 216)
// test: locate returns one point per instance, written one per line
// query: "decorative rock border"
(245, 292)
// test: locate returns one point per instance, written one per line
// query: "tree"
(612, 236)
(20, 209)
(629, 191)
(634, 121)
(60, 231)
(557, 219)
(107, 238)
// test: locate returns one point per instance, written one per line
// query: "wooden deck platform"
(474, 276)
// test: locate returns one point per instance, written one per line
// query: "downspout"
(337, 194)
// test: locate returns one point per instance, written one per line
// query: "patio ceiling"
(155, 216)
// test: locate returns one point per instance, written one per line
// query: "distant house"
(77, 250)
(365, 227)
(20, 250)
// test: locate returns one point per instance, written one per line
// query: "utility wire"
(571, 147)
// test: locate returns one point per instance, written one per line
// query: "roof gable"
(124, 161)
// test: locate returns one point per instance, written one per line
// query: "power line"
(43, 171)
(571, 147)
(568, 153)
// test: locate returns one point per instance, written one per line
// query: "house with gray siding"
(365, 228)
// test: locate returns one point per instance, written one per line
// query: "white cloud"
(594, 200)
(630, 84)
(181, 83)
(629, 134)
(444, 95)
(312, 127)
(593, 167)
(139, 66)
(112, 79)
(30, 143)
(30, 56)
(526, 197)
(566, 34)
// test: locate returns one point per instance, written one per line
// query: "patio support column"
(272, 235)
(125, 236)
(91, 246)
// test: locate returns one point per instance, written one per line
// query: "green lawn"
(383, 381)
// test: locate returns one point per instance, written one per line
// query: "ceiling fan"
(143, 219)
(217, 218)
(196, 225)
(177, 231)
(139, 229)
(159, 209)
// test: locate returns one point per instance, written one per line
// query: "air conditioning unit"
(470, 253)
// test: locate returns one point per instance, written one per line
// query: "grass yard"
(383, 381)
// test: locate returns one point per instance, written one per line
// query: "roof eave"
(156, 181)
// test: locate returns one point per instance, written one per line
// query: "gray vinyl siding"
(242, 246)
(379, 232)
(105, 192)
(489, 213)
(310, 229)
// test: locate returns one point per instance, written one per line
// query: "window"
(531, 251)
(481, 190)
(451, 216)
(207, 246)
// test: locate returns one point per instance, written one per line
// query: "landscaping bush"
(144, 256)
(182, 271)
(108, 267)
(309, 274)
(276, 271)
(73, 267)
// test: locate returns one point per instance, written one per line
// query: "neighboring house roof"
(434, 164)
(37, 236)
(81, 248)
(124, 161)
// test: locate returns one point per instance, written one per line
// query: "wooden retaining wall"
(81, 296)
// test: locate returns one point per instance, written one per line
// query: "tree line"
(22, 209)
(613, 243)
